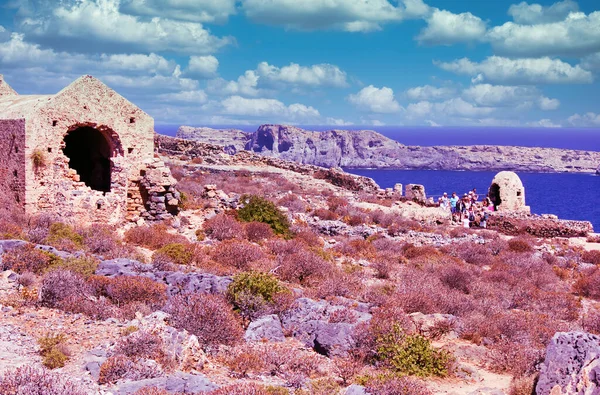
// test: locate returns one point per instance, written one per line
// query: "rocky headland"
(369, 149)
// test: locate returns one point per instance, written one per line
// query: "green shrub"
(85, 266)
(260, 209)
(251, 293)
(59, 233)
(177, 253)
(52, 350)
(411, 354)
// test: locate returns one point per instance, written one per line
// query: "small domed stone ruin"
(507, 193)
(85, 153)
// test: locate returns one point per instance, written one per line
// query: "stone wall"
(539, 226)
(12, 162)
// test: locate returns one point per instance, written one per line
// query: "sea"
(569, 196)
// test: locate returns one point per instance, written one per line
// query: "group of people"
(468, 210)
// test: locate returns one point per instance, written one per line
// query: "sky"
(318, 62)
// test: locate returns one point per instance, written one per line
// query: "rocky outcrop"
(233, 140)
(365, 148)
(572, 365)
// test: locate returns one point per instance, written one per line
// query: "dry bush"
(456, 277)
(27, 258)
(411, 252)
(237, 253)
(118, 367)
(59, 285)
(520, 244)
(99, 309)
(152, 237)
(357, 247)
(303, 267)
(28, 380)
(343, 315)
(103, 240)
(592, 257)
(335, 282)
(141, 345)
(223, 227)
(516, 359)
(591, 321)
(325, 215)
(388, 246)
(397, 385)
(308, 237)
(245, 389)
(258, 231)
(293, 203)
(151, 391)
(593, 239)
(244, 360)
(209, 317)
(126, 289)
(26, 279)
(523, 385)
(588, 284)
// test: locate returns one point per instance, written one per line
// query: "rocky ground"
(370, 294)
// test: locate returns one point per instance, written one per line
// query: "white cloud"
(548, 104)
(268, 108)
(577, 35)
(187, 10)
(543, 123)
(337, 122)
(294, 74)
(531, 14)
(98, 25)
(587, 119)
(246, 85)
(508, 96)
(446, 28)
(428, 92)
(591, 62)
(501, 70)
(202, 66)
(378, 100)
(151, 63)
(193, 96)
(348, 15)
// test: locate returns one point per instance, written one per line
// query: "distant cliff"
(369, 149)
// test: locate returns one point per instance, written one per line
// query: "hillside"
(369, 149)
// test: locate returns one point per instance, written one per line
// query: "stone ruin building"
(507, 193)
(85, 154)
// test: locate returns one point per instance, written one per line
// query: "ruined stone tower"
(508, 193)
(83, 153)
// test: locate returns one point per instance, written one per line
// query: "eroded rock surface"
(572, 365)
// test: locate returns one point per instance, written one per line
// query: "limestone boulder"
(572, 365)
(265, 328)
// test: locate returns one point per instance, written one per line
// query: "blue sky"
(318, 62)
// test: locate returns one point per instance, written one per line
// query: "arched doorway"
(89, 154)
(495, 195)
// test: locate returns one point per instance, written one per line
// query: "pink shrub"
(223, 227)
(33, 381)
(237, 253)
(304, 267)
(258, 231)
(209, 317)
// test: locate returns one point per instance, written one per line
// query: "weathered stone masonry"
(80, 154)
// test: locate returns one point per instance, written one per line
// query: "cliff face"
(365, 148)
(233, 140)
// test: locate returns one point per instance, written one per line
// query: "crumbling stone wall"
(152, 195)
(12, 162)
(539, 226)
